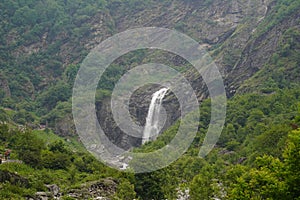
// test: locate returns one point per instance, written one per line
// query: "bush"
(28, 147)
(55, 160)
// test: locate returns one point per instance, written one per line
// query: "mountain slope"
(256, 45)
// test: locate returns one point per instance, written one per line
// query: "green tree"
(125, 191)
(292, 163)
(263, 182)
(272, 141)
(156, 185)
(58, 92)
(5, 134)
(24, 16)
(28, 147)
(55, 160)
(57, 156)
(58, 146)
(201, 185)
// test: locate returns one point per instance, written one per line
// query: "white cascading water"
(153, 117)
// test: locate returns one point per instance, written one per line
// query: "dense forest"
(256, 44)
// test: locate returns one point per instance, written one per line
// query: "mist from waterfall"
(152, 127)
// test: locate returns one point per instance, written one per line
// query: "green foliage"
(9, 191)
(55, 160)
(70, 73)
(59, 147)
(264, 176)
(156, 185)
(270, 178)
(201, 186)
(272, 141)
(125, 191)
(5, 134)
(255, 134)
(110, 77)
(297, 118)
(58, 92)
(28, 147)
(87, 163)
(282, 10)
(188, 167)
(282, 70)
(264, 182)
(23, 117)
(57, 156)
(292, 162)
(41, 28)
(61, 110)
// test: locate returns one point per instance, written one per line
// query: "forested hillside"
(250, 160)
(256, 46)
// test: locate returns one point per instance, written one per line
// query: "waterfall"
(153, 117)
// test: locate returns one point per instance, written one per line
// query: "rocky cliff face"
(223, 27)
(211, 23)
(259, 52)
(138, 108)
(230, 31)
